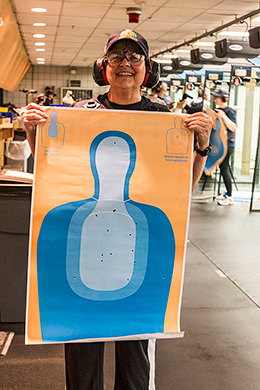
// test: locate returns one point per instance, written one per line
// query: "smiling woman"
(125, 73)
(125, 67)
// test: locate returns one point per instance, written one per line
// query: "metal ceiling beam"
(208, 33)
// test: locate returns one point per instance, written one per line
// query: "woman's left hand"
(201, 123)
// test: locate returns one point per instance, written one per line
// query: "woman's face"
(126, 75)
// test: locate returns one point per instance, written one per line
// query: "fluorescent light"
(40, 62)
(38, 35)
(209, 44)
(170, 56)
(182, 51)
(39, 49)
(39, 24)
(234, 33)
(40, 59)
(161, 61)
(39, 43)
(38, 9)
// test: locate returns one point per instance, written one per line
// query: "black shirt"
(231, 114)
(144, 104)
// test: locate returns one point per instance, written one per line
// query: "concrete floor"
(220, 316)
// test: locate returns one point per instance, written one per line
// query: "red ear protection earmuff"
(152, 74)
(151, 77)
(99, 72)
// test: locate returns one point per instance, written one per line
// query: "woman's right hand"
(33, 115)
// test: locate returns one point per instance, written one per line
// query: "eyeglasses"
(115, 57)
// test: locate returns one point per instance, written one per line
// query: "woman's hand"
(33, 115)
(201, 123)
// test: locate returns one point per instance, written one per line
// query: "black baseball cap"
(128, 34)
(220, 93)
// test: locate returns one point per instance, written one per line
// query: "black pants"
(134, 365)
(225, 171)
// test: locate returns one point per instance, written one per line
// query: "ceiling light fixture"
(40, 59)
(39, 24)
(39, 49)
(169, 56)
(206, 44)
(41, 62)
(182, 51)
(38, 9)
(234, 33)
(162, 61)
(39, 43)
(38, 35)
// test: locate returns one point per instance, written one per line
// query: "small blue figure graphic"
(105, 264)
(177, 138)
(53, 132)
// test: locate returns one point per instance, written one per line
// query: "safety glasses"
(115, 57)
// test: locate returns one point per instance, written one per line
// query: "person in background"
(168, 101)
(200, 103)
(40, 99)
(229, 118)
(48, 98)
(126, 63)
(158, 92)
(159, 95)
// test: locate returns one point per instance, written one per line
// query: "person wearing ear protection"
(125, 64)
(229, 118)
(125, 67)
(158, 92)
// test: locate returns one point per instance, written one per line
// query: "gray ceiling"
(77, 30)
